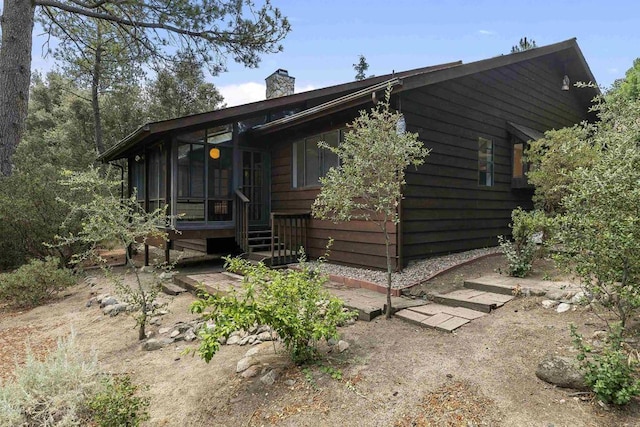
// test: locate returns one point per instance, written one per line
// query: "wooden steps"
(489, 285)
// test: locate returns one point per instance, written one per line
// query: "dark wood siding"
(444, 209)
(356, 243)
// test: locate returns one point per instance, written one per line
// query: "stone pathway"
(447, 312)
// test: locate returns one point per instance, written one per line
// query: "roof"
(353, 93)
(524, 133)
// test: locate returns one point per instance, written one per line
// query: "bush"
(63, 390)
(611, 374)
(521, 252)
(293, 302)
(519, 259)
(118, 403)
(34, 283)
(51, 392)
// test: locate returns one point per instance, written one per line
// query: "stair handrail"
(242, 220)
(288, 234)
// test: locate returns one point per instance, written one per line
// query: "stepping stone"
(458, 301)
(171, 289)
(411, 316)
(494, 285)
(452, 324)
(433, 308)
(436, 319)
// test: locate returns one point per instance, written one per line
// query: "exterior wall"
(357, 243)
(444, 209)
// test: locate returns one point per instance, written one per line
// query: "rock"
(174, 333)
(290, 383)
(222, 340)
(265, 336)
(253, 330)
(163, 331)
(342, 346)
(332, 341)
(100, 297)
(556, 294)
(154, 321)
(417, 291)
(269, 378)
(190, 335)
(549, 303)
(562, 307)
(250, 372)
(90, 302)
(561, 371)
(152, 345)
(252, 351)
(579, 298)
(115, 309)
(245, 363)
(233, 339)
(108, 301)
(263, 328)
(245, 340)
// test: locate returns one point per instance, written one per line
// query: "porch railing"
(242, 222)
(288, 235)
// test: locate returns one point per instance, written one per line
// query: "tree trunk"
(387, 244)
(15, 76)
(95, 102)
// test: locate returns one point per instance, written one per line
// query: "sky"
(327, 37)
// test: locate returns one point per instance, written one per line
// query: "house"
(246, 176)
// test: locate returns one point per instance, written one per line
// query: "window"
(518, 161)
(485, 162)
(311, 162)
(157, 176)
(190, 203)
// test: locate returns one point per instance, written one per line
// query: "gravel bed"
(415, 272)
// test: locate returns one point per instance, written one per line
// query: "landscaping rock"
(263, 328)
(342, 346)
(190, 335)
(265, 336)
(233, 339)
(332, 341)
(115, 309)
(549, 303)
(174, 333)
(562, 307)
(163, 331)
(108, 301)
(245, 363)
(270, 377)
(561, 371)
(250, 372)
(579, 298)
(152, 345)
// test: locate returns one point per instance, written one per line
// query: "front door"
(255, 186)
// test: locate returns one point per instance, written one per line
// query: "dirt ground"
(393, 373)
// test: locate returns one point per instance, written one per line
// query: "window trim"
(322, 156)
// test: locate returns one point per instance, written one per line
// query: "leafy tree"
(213, 29)
(95, 203)
(523, 45)
(629, 87)
(552, 160)
(368, 183)
(361, 68)
(180, 89)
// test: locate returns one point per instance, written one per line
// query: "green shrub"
(293, 302)
(521, 252)
(34, 283)
(612, 374)
(52, 392)
(118, 403)
(519, 259)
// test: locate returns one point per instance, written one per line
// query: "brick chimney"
(279, 84)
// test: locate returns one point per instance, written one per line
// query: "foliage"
(629, 87)
(519, 258)
(52, 392)
(523, 45)
(553, 159)
(293, 302)
(612, 375)
(56, 137)
(119, 403)
(34, 283)
(368, 183)
(600, 229)
(181, 89)
(361, 68)
(94, 202)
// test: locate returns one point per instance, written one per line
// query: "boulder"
(562, 307)
(189, 335)
(250, 372)
(108, 301)
(245, 363)
(265, 336)
(233, 339)
(561, 371)
(342, 346)
(270, 377)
